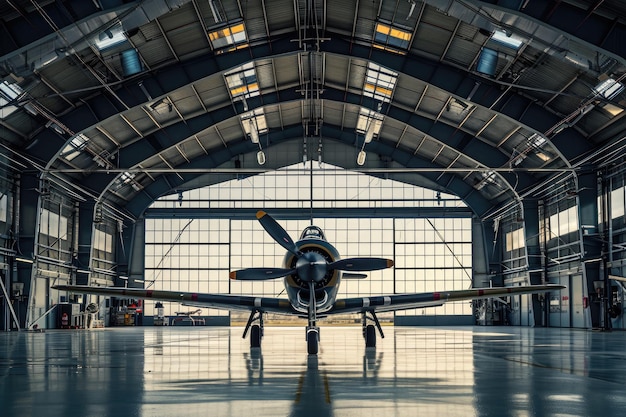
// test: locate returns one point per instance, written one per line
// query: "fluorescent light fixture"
(24, 260)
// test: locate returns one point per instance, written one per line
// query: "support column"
(533, 257)
(85, 235)
(136, 257)
(481, 253)
(591, 244)
(25, 223)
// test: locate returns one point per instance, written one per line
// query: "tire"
(311, 342)
(255, 336)
(370, 336)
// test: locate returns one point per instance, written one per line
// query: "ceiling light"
(260, 157)
(360, 159)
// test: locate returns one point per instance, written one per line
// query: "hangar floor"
(208, 371)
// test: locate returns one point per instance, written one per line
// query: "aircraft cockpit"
(312, 232)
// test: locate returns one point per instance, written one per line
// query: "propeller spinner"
(310, 266)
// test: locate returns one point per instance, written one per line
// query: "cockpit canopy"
(312, 232)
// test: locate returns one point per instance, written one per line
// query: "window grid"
(430, 255)
(198, 254)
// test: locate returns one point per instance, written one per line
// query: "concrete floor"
(208, 371)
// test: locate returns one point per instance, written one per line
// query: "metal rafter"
(167, 41)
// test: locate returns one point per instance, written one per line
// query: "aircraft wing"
(396, 302)
(220, 301)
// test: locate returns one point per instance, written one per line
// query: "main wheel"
(255, 336)
(370, 336)
(311, 342)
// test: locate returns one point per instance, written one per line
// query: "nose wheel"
(312, 340)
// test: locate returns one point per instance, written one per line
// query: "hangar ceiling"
(123, 102)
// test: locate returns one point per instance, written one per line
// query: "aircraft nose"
(311, 267)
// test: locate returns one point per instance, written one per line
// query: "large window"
(197, 254)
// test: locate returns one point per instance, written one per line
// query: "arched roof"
(444, 98)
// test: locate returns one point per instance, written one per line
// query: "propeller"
(311, 267)
(361, 264)
(277, 232)
(259, 274)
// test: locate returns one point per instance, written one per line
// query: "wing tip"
(389, 263)
(260, 214)
(233, 275)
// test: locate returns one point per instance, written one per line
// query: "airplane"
(312, 272)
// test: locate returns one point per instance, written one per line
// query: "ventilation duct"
(131, 64)
(487, 62)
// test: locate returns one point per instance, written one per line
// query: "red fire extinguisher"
(65, 320)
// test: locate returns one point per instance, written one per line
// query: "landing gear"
(312, 339)
(370, 336)
(312, 331)
(369, 330)
(256, 330)
(255, 336)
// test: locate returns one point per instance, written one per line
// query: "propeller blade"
(348, 275)
(361, 264)
(277, 232)
(260, 274)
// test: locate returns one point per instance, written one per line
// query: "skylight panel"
(75, 147)
(379, 82)
(506, 39)
(127, 177)
(389, 36)
(488, 177)
(609, 88)
(231, 36)
(111, 37)
(259, 120)
(254, 124)
(369, 124)
(8, 93)
(242, 81)
(536, 140)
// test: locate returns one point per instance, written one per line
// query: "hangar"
(477, 144)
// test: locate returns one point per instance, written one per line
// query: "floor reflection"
(414, 371)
